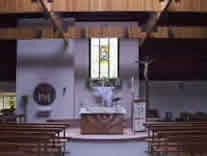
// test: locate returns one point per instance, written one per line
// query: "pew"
(59, 127)
(180, 137)
(36, 139)
(29, 144)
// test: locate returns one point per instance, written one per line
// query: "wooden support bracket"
(153, 20)
(56, 21)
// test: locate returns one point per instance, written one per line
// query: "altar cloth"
(103, 110)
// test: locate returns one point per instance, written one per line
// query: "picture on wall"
(44, 94)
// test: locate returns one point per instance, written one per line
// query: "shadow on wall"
(61, 57)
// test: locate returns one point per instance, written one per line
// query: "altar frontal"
(102, 120)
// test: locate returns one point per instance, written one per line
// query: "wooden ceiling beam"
(56, 21)
(153, 20)
(29, 33)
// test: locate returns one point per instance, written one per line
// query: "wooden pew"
(29, 144)
(177, 137)
(32, 139)
(58, 128)
(39, 125)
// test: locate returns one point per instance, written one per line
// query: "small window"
(7, 102)
(1, 103)
(104, 58)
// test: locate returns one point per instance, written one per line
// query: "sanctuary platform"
(128, 143)
(75, 134)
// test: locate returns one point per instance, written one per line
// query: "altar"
(102, 120)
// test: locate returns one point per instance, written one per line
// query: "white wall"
(128, 68)
(47, 61)
(177, 96)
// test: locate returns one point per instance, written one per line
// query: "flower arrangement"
(104, 82)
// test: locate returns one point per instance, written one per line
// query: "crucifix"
(146, 62)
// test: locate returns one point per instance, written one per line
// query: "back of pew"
(58, 127)
(32, 137)
(177, 136)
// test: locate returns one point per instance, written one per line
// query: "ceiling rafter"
(153, 20)
(56, 21)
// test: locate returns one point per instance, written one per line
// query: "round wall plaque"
(44, 94)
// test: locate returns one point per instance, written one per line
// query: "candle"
(132, 82)
(132, 85)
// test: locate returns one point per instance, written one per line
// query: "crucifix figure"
(146, 62)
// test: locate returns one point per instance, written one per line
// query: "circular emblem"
(44, 94)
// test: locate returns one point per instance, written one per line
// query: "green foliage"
(12, 103)
(104, 81)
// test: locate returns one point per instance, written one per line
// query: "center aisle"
(106, 145)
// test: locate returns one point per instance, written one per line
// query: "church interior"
(103, 77)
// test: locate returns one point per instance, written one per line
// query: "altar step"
(75, 123)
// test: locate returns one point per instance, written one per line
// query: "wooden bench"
(29, 144)
(188, 137)
(32, 139)
(62, 127)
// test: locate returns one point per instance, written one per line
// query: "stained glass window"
(104, 58)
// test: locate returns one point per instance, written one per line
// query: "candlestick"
(132, 85)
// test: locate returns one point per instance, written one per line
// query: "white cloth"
(105, 93)
(107, 110)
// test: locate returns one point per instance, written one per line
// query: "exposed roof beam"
(56, 21)
(153, 20)
(88, 32)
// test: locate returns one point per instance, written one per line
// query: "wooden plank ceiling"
(23, 6)
(101, 10)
